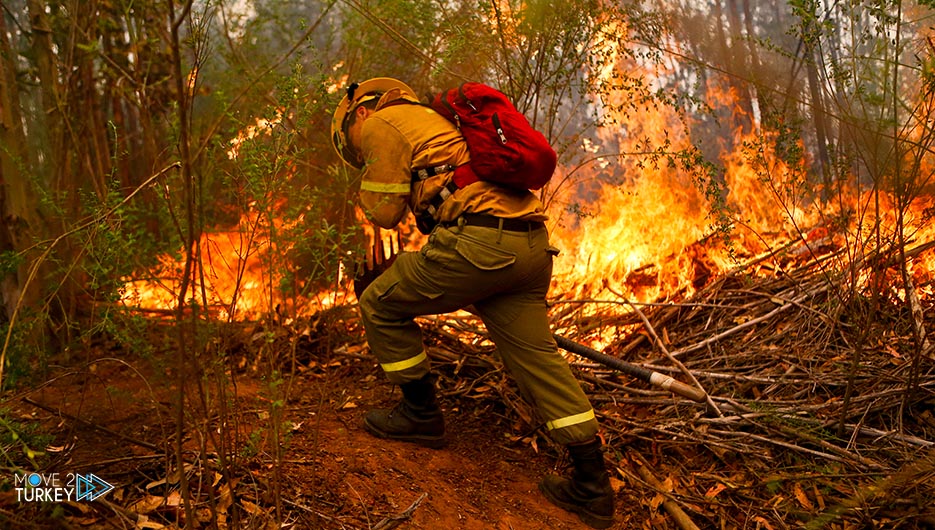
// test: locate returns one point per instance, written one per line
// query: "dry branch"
(395, 520)
(772, 354)
(669, 505)
(93, 425)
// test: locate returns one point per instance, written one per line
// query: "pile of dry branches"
(821, 397)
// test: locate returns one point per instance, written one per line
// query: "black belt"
(490, 221)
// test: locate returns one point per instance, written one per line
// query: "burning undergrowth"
(811, 344)
(821, 393)
(821, 399)
(807, 328)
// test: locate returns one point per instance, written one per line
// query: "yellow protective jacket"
(400, 137)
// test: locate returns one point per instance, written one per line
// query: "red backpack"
(504, 148)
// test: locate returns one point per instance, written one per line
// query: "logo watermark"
(59, 487)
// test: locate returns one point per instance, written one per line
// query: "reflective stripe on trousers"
(506, 276)
(399, 366)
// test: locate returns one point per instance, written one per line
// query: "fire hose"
(379, 261)
(643, 374)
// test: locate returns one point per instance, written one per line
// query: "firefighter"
(487, 247)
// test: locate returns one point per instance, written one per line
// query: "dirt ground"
(480, 480)
(113, 418)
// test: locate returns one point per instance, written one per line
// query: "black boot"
(588, 493)
(416, 418)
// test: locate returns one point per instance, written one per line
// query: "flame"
(636, 242)
(646, 234)
(235, 275)
(192, 81)
(650, 239)
(653, 220)
(262, 126)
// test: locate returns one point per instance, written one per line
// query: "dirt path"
(480, 480)
(334, 476)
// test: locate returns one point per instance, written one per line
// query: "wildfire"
(646, 239)
(651, 239)
(641, 240)
(262, 126)
(236, 274)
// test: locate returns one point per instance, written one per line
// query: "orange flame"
(237, 275)
(645, 240)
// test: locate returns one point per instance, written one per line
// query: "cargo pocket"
(439, 249)
(484, 256)
(397, 292)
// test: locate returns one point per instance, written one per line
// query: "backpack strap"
(446, 191)
(467, 101)
(429, 172)
(454, 113)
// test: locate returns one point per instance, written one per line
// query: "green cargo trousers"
(506, 276)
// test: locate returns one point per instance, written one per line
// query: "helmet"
(358, 93)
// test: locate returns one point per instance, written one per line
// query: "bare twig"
(686, 371)
(395, 520)
(94, 426)
(669, 505)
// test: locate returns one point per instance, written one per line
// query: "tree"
(21, 223)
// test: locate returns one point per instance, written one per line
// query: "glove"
(425, 223)
(375, 264)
